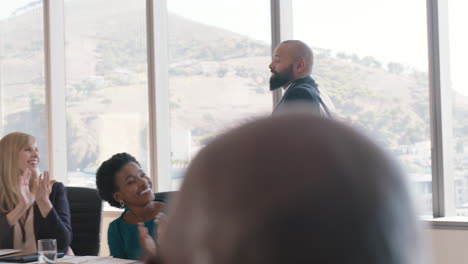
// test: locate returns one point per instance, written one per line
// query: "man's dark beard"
(279, 79)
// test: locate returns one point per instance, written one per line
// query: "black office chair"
(163, 195)
(85, 211)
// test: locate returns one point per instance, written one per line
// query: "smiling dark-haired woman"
(123, 184)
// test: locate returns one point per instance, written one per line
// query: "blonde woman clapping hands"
(32, 206)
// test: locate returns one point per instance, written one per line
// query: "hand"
(26, 198)
(43, 187)
(146, 241)
(161, 221)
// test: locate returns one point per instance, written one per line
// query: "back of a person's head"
(294, 188)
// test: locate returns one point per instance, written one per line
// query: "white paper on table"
(4, 252)
(94, 260)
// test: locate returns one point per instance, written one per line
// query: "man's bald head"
(291, 60)
(298, 50)
(293, 188)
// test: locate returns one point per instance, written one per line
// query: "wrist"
(151, 251)
(44, 207)
(21, 206)
(43, 202)
(13, 216)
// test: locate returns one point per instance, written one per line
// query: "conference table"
(88, 260)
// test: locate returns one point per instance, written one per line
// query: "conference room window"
(218, 71)
(371, 59)
(22, 78)
(458, 41)
(106, 85)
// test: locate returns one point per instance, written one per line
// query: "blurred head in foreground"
(294, 188)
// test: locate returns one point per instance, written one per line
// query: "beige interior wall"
(107, 217)
(448, 246)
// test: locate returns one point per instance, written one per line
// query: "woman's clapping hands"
(38, 191)
(147, 242)
(26, 197)
(43, 187)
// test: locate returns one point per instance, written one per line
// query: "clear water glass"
(47, 251)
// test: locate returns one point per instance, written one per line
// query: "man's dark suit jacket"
(303, 90)
(56, 225)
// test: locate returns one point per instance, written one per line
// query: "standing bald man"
(291, 67)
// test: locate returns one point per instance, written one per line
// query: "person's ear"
(299, 65)
(117, 196)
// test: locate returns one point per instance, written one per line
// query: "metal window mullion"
(2, 88)
(281, 29)
(440, 108)
(2, 127)
(158, 94)
(54, 49)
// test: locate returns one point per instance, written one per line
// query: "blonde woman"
(31, 206)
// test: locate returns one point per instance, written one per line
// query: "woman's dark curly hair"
(105, 176)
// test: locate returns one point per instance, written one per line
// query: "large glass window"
(458, 39)
(218, 71)
(371, 59)
(22, 81)
(106, 82)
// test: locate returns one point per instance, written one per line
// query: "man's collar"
(298, 80)
(289, 85)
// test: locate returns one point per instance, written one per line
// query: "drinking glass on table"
(47, 251)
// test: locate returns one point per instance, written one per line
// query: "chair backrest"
(163, 195)
(85, 211)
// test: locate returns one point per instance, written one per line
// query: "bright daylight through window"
(218, 71)
(377, 81)
(106, 81)
(458, 39)
(22, 77)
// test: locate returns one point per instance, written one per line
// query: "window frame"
(54, 40)
(440, 108)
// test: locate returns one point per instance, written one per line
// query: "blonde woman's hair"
(10, 146)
